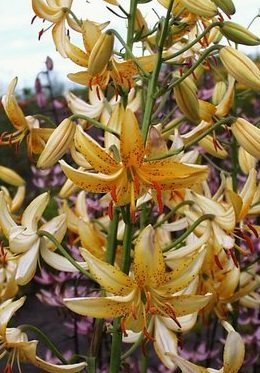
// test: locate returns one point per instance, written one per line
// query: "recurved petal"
(7, 309)
(43, 10)
(165, 342)
(33, 212)
(185, 277)
(21, 239)
(100, 307)
(76, 54)
(131, 142)
(98, 183)
(149, 267)
(59, 37)
(186, 304)
(27, 264)
(6, 220)
(53, 368)
(234, 352)
(81, 77)
(97, 156)
(56, 261)
(109, 277)
(247, 193)
(170, 172)
(12, 109)
(57, 226)
(186, 366)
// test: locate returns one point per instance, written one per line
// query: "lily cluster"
(163, 251)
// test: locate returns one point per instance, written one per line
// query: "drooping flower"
(26, 126)
(24, 240)
(14, 344)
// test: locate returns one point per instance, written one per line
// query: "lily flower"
(130, 177)
(149, 290)
(27, 126)
(57, 12)
(24, 240)
(14, 344)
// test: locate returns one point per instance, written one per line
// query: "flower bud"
(202, 8)
(185, 95)
(57, 144)
(238, 34)
(10, 177)
(218, 92)
(226, 5)
(101, 53)
(240, 67)
(246, 160)
(248, 136)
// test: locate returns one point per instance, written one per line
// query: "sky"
(23, 55)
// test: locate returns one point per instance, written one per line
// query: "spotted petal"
(109, 277)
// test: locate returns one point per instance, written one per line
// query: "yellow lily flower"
(150, 290)
(233, 355)
(24, 240)
(14, 344)
(27, 127)
(134, 174)
(56, 12)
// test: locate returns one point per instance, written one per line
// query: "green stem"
(112, 237)
(190, 45)
(46, 119)
(131, 26)
(213, 164)
(95, 123)
(189, 71)
(154, 78)
(64, 252)
(172, 212)
(45, 339)
(125, 266)
(180, 239)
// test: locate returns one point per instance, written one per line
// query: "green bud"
(226, 5)
(238, 34)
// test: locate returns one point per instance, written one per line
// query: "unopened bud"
(240, 67)
(248, 136)
(238, 34)
(218, 92)
(227, 6)
(203, 8)
(57, 144)
(101, 53)
(246, 160)
(10, 177)
(185, 95)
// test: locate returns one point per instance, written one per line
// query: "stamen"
(33, 19)
(252, 228)
(233, 258)
(172, 313)
(158, 189)
(110, 210)
(217, 261)
(113, 193)
(123, 327)
(98, 93)
(148, 335)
